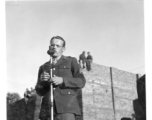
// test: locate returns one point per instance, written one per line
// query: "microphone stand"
(51, 90)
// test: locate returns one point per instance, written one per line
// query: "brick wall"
(124, 92)
(108, 95)
(97, 94)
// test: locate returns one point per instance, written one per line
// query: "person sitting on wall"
(82, 60)
(89, 61)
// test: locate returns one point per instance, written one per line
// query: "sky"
(111, 30)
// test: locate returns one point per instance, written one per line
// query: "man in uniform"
(89, 61)
(67, 80)
(82, 60)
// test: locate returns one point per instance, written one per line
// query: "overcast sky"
(112, 30)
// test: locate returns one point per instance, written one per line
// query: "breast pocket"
(65, 71)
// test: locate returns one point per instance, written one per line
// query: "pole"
(51, 90)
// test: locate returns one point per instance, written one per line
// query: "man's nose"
(54, 46)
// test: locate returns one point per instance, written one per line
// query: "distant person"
(82, 60)
(125, 118)
(89, 61)
(133, 116)
(29, 94)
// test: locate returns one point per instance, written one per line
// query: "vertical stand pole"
(51, 91)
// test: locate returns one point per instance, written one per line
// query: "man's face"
(57, 46)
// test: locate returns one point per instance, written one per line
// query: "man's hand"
(45, 76)
(57, 80)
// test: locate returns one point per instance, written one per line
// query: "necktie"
(54, 61)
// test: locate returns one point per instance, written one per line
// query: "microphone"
(51, 52)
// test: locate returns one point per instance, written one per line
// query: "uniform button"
(53, 68)
(68, 92)
(64, 66)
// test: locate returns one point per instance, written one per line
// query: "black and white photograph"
(75, 60)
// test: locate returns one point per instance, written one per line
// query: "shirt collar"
(57, 58)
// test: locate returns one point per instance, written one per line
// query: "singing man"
(67, 80)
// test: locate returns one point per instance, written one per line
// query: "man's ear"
(63, 49)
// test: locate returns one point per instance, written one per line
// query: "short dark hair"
(60, 38)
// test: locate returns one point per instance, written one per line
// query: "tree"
(12, 97)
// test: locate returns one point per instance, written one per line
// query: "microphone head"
(50, 52)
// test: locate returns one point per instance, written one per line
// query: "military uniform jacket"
(65, 95)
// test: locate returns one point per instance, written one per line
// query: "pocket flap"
(67, 92)
(64, 67)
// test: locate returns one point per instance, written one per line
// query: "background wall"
(109, 94)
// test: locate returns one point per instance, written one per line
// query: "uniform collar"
(57, 58)
(60, 60)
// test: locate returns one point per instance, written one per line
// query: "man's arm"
(91, 58)
(42, 86)
(78, 80)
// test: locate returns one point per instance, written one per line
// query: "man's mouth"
(53, 51)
